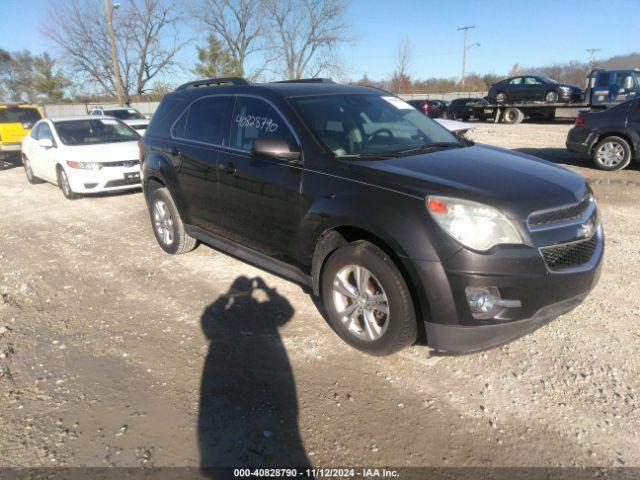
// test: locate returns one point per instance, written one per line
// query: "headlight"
(473, 224)
(564, 89)
(85, 165)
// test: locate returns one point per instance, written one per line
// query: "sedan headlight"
(473, 224)
(85, 165)
(564, 89)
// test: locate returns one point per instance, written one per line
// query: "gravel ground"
(114, 353)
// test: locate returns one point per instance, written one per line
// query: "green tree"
(48, 86)
(16, 75)
(215, 61)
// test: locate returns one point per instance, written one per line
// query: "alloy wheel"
(64, 183)
(610, 154)
(361, 302)
(163, 222)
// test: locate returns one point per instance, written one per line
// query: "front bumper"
(10, 147)
(104, 180)
(519, 273)
(464, 339)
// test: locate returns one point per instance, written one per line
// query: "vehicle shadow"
(248, 415)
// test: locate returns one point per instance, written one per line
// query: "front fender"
(157, 166)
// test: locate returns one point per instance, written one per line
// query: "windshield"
(19, 115)
(91, 132)
(125, 114)
(361, 125)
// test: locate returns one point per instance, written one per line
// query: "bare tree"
(239, 24)
(147, 41)
(306, 34)
(401, 79)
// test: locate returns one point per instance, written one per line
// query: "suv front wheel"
(166, 222)
(367, 300)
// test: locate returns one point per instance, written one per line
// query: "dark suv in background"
(463, 108)
(401, 228)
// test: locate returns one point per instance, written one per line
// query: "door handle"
(229, 168)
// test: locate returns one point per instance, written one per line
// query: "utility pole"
(592, 54)
(114, 55)
(464, 52)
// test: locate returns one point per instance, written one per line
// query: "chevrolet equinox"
(403, 231)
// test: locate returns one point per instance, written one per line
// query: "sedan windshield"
(124, 114)
(91, 132)
(370, 125)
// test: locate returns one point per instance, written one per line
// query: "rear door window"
(206, 120)
(254, 118)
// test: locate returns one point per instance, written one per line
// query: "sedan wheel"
(361, 302)
(29, 171)
(612, 153)
(63, 183)
(551, 97)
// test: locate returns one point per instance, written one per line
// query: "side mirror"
(274, 147)
(45, 143)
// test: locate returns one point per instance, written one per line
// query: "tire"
(512, 115)
(1, 162)
(611, 153)
(551, 96)
(501, 98)
(29, 172)
(365, 327)
(167, 224)
(63, 184)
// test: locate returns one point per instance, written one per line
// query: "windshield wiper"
(366, 155)
(427, 148)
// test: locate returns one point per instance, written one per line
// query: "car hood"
(103, 152)
(516, 183)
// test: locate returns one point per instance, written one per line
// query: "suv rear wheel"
(166, 222)
(367, 300)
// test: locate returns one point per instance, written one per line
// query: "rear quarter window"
(168, 110)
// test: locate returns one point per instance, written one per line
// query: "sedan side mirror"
(274, 147)
(45, 143)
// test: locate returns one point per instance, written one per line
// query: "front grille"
(569, 255)
(125, 163)
(558, 215)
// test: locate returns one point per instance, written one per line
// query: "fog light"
(485, 302)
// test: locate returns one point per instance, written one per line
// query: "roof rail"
(213, 81)
(307, 80)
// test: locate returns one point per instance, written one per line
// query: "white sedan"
(82, 155)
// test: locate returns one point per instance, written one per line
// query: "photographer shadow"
(248, 413)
